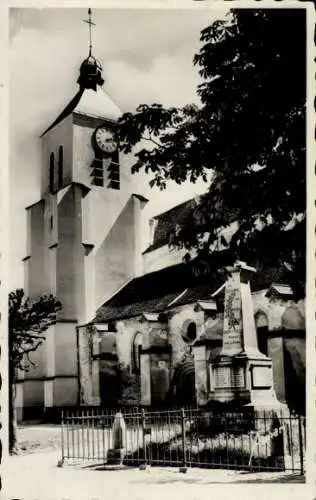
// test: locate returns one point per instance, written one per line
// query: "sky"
(146, 56)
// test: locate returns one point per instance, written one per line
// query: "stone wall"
(158, 368)
(274, 308)
(179, 319)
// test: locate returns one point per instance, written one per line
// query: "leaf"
(28, 322)
(248, 130)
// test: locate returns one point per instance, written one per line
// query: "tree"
(125, 386)
(129, 384)
(247, 135)
(28, 322)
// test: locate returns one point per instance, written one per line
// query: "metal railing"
(260, 441)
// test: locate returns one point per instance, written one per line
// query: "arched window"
(136, 348)
(60, 166)
(51, 172)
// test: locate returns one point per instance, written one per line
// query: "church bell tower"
(83, 234)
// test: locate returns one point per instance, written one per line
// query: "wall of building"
(179, 319)
(272, 307)
(126, 330)
(60, 135)
(70, 256)
(115, 258)
(295, 371)
(35, 260)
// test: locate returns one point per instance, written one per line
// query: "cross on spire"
(90, 23)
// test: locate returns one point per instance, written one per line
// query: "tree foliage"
(247, 135)
(28, 320)
(125, 385)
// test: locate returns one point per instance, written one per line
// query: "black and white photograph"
(159, 177)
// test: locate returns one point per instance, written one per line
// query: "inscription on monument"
(232, 317)
(238, 377)
(228, 376)
(222, 377)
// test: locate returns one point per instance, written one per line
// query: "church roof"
(97, 104)
(171, 287)
(166, 222)
(176, 216)
(153, 292)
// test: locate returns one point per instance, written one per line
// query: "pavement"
(34, 475)
(37, 477)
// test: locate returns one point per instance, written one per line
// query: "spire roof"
(97, 104)
(90, 99)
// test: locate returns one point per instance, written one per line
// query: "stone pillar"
(145, 376)
(249, 330)
(276, 353)
(145, 383)
(95, 369)
(89, 382)
(232, 333)
(201, 378)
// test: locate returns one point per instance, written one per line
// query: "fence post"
(61, 462)
(184, 467)
(143, 417)
(301, 445)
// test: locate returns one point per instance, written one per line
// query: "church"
(124, 305)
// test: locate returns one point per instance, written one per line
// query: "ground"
(34, 475)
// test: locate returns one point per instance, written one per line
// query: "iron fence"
(253, 441)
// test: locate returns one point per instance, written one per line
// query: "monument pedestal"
(243, 379)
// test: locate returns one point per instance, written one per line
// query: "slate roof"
(154, 292)
(167, 221)
(180, 215)
(89, 102)
(170, 287)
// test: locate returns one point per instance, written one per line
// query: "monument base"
(115, 456)
(244, 379)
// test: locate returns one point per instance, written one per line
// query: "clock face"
(106, 140)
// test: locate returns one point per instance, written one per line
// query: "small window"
(97, 172)
(189, 335)
(51, 222)
(113, 171)
(51, 172)
(60, 166)
(136, 349)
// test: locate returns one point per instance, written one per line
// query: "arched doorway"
(183, 384)
(262, 327)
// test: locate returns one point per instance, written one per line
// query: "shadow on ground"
(235, 480)
(155, 476)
